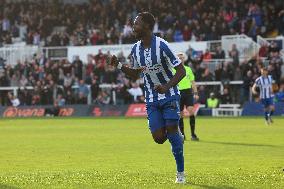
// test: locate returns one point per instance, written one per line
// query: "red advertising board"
(136, 110)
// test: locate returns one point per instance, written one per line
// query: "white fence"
(246, 46)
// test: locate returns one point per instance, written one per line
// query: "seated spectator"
(219, 54)
(13, 100)
(53, 111)
(60, 100)
(279, 96)
(83, 88)
(207, 75)
(136, 92)
(103, 98)
(212, 101)
(226, 97)
(207, 56)
(81, 99)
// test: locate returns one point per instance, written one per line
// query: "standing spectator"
(95, 90)
(248, 82)
(234, 54)
(78, 67)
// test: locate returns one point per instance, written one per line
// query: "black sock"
(271, 112)
(266, 115)
(192, 125)
(181, 126)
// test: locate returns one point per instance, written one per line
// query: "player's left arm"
(175, 62)
(180, 73)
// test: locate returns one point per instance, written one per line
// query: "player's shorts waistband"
(189, 90)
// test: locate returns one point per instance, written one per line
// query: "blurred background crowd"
(54, 23)
(64, 82)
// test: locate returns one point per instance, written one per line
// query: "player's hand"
(141, 69)
(113, 61)
(162, 89)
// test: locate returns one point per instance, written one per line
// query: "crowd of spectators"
(109, 22)
(67, 82)
(54, 23)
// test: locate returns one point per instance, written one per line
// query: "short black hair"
(148, 18)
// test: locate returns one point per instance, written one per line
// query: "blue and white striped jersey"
(158, 61)
(265, 86)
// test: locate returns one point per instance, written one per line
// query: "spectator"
(78, 67)
(219, 54)
(83, 88)
(279, 96)
(13, 100)
(226, 97)
(212, 101)
(248, 82)
(136, 92)
(207, 56)
(82, 99)
(103, 98)
(60, 100)
(234, 54)
(95, 90)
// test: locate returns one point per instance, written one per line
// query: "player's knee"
(160, 140)
(172, 129)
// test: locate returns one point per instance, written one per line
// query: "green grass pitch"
(120, 153)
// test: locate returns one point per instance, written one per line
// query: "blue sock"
(177, 149)
(266, 115)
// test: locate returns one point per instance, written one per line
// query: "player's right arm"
(133, 73)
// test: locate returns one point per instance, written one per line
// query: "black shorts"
(186, 98)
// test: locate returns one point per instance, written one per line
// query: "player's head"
(182, 56)
(264, 71)
(143, 23)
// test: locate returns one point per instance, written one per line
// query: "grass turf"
(120, 153)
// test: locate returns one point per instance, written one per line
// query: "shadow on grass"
(238, 144)
(4, 186)
(211, 187)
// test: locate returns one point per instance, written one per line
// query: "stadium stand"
(43, 81)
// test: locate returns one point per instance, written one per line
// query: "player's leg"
(156, 123)
(189, 103)
(271, 109)
(266, 110)
(190, 109)
(181, 123)
(171, 117)
(160, 135)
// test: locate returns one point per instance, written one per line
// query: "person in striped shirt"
(264, 83)
(153, 59)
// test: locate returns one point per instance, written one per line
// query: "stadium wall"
(256, 109)
(132, 110)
